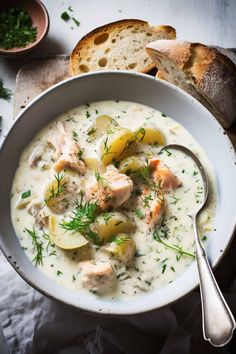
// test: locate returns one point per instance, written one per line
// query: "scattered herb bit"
(70, 9)
(25, 194)
(175, 200)
(195, 173)
(138, 254)
(91, 131)
(75, 136)
(84, 215)
(164, 268)
(119, 240)
(96, 111)
(88, 114)
(59, 273)
(65, 16)
(173, 269)
(49, 243)
(204, 238)
(80, 154)
(16, 28)
(102, 181)
(139, 214)
(76, 21)
(71, 119)
(37, 247)
(163, 115)
(5, 93)
(73, 278)
(175, 248)
(106, 217)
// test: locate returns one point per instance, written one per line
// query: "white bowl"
(130, 87)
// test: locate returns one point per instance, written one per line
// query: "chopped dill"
(102, 181)
(139, 214)
(119, 240)
(5, 93)
(58, 189)
(37, 247)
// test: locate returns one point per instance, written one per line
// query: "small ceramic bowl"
(40, 19)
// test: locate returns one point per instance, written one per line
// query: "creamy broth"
(160, 255)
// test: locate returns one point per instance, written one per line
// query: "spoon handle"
(217, 319)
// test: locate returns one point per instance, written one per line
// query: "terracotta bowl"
(40, 19)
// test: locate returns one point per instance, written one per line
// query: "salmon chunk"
(111, 189)
(67, 150)
(163, 175)
(97, 276)
(153, 206)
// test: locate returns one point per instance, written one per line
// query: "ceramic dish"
(136, 88)
(40, 20)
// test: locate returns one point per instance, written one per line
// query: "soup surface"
(97, 208)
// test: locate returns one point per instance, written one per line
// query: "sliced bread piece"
(117, 46)
(202, 71)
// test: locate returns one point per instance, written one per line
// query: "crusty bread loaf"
(117, 46)
(202, 71)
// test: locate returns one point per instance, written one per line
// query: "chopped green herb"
(175, 248)
(59, 273)
(81, 219)
(96, 111)
(37, 247)
(16, 28)
(139, 214)
(163, 115)
(25, 194)
(119, 240)
(107, 216)
(195, 173)
(65, 16)
(76, 21)
(70, 9)
(75, 136)
(5, 93)
(102, 181)
(164, 268)
(175, 200)
(88, 114)
(173, 269)
(73, 278)
(204, 238)
(91, 131)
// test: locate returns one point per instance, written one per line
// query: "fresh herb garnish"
(88, 114)
(58, 189)
(37, 247)
(91, 131)
(119, 240)
(25, 194)
(174, 248)
(107, 216)
(175, 200)
(16, 28)
(139, 214)
(5, 93)
(102, 181)
(84, 215)
(75, 136)
(65, 16)
(76, 21)
(59, 273)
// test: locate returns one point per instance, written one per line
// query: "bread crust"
(109, 28)
(211, 73)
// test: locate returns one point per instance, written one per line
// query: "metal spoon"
(217, 320)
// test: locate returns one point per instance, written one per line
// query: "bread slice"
(202, 71)
(118, 45)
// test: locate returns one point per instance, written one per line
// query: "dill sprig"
(58, 189)
(5, 93)
(102, 181)
(84, 215)
(174, 248)
(119, 239)
(37, 247)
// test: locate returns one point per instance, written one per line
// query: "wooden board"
(39, 74)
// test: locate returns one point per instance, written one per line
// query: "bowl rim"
(20, 50)
(194, 282)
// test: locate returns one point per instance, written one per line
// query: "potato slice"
(66, 240)
(59, 192)
(111, 223)
(121, 247)
(115, 144)
(132, 163)
(94, 164)
(100, 126)
(150, 135)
